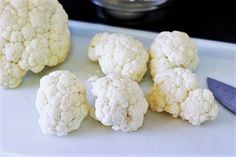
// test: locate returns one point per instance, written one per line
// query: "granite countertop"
(214, 20)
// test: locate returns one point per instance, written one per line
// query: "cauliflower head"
(199, 107)
(171, 88)
(33, 34)
(120, 102)
(61, 103)
(119, 54)
(175, 49)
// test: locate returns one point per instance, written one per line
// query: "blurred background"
(208, 19)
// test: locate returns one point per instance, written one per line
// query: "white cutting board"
(160, 135)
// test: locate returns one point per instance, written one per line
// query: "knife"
(223, 93)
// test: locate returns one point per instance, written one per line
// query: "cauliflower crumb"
(33, 34)
(120, 102)
(119, 54)
(61, 103)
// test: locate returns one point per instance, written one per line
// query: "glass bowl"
(129, 9)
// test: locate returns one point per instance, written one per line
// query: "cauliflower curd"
(120, 102)
(33, 34)
(175, 90)
(61, 103)
(119, 54)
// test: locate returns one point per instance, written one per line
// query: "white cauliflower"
(33, 34)
(175, 49)
(175, 90)
(10, 73)
(171, 88)
(61, 103)
(119, 54)
(120, 102)
(199, 107)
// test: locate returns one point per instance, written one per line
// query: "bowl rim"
(129, 9)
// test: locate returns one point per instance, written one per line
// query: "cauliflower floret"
(175, 90)
(199, 107)
(120, 102)
(170, 89)
(61, 103)
(119, 54)
(33, 34)
(178, 49)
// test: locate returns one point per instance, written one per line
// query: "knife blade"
(223, 93)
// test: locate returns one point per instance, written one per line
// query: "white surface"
(160, 135)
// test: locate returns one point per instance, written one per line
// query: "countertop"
(214, 20)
